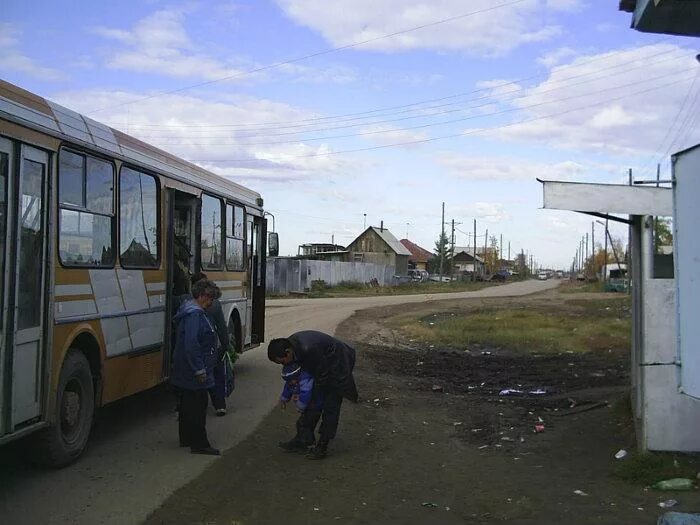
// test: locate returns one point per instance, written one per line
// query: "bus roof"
(28, 109)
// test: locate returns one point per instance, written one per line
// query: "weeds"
(595, 327)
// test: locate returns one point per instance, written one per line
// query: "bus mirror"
(273, 244)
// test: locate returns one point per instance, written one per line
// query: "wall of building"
(670, 420)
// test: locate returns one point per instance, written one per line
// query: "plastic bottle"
(675, 484)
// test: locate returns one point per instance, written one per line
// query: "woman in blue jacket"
(196, 348)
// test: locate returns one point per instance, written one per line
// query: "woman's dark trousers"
(193, 418)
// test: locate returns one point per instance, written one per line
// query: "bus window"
(138, 220)
(212, 233)
(86, 210)
(31, 211)
(235, 237)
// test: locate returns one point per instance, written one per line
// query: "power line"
(485, 104)
(312, 55)
(187, 141)
(455, 135)
(298, 123)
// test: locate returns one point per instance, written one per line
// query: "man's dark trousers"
(330, 415)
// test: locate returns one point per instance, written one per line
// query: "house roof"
(468, 250)
(418, 254)
(388, 238)
(392, 241)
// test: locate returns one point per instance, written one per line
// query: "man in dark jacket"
(194, 359)
(330, 361)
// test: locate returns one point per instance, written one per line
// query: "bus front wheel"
(64, 441)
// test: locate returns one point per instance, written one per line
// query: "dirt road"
(435, 440)
(133, 463)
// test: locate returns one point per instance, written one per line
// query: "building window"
(235, 237)
(138, 220)
(211, 239)
(86, 210)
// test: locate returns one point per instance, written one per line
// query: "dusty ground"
(434, 442)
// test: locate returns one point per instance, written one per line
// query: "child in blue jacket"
(299, 388)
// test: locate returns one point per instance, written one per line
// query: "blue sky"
(559, 89)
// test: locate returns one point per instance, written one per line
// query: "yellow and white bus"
(100, 232)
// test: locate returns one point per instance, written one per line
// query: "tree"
(663, 234)
(442, 249)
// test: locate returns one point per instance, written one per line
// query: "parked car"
(418, 276)
(500, 276)
(542, 276)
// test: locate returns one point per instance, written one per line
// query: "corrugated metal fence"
(295, 275)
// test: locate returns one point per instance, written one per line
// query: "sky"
(352, 112)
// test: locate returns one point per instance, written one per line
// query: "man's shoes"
(320, 451)
(208, 451)
(293, 445)
(220, 412)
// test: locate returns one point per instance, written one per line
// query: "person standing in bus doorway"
(218, 393)
(196, 348)
(331, 362)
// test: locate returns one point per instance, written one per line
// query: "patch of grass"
(547, 330)
(649, 468)
(581, 287)
(362, 289)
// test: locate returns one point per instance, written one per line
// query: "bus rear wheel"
(65, 440)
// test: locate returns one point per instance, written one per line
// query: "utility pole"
(605, 253)
(500, 252)
(508, 252)
(593, 248)
(486, 238)
(474, 255)
(452, 250)
(442, 236)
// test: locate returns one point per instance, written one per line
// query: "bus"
(100, 234)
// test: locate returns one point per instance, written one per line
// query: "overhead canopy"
(607, 198)
(675, 17)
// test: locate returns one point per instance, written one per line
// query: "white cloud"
(384, 134)
(567, 5)
(605, 101)
(491, 211)
(159, 43)
(507, 169)
(490, 32)
(199, 129)
(555, 57)
(12, 58)
(321, 75)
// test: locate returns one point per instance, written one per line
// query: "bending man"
(331, 362)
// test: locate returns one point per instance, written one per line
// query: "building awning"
(604, 199)
(674, 17)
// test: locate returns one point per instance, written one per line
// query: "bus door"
(181, 211)
(27, 299)
(6, 159)
(255, 314)
(258, 278)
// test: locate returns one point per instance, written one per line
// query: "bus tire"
(234, 330)
(64, 441)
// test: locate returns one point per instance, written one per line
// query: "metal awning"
(674, 17)
(605, 199)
